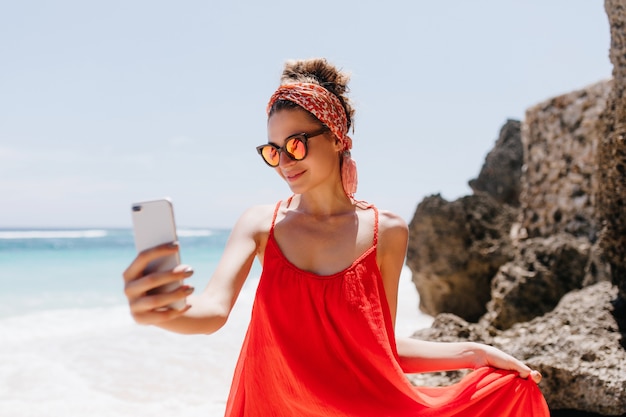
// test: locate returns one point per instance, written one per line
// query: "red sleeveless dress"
(324, 346)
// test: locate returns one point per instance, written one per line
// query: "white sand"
(99, 363)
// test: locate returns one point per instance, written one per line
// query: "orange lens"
(271, 155)
(296, 149)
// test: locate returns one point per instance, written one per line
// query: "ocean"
(68, 346)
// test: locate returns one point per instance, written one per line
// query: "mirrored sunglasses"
(295, 147)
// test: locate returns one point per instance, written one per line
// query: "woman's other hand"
(491, 356)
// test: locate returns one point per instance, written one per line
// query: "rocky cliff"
(534, 261)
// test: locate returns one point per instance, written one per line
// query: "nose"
(283, 159)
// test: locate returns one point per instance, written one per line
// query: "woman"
(321, 337)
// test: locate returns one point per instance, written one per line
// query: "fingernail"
(536, 376)
(183, 269)
(189, 290)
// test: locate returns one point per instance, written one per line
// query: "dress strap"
(274, 216)
(375, 225)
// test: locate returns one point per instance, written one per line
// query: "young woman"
(321, 338)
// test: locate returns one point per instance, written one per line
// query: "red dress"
(324, 346)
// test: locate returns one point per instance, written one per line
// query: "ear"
(338, 145)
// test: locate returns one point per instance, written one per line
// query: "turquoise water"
(80, 268)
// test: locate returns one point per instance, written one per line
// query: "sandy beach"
(98, 362)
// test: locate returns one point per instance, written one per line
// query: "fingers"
(140, 263)
(521, 368)
(143, 284)
(527, 373)
(150, 295)
(159, 301)
(154, 309)
(501, 360)
(155, 317)
(535, 376)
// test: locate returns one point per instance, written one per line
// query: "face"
(321, 164)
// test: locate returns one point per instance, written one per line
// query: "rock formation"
(543, 271)
(611, 191)
(501, 172)
(557, 298)
(560, 138)
(577, 347)
(460, 247)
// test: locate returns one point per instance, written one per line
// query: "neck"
(323, 206)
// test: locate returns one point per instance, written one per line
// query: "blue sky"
(103, 103)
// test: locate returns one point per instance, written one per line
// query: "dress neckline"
(371, 251)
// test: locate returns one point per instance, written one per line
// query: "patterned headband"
(327, 108)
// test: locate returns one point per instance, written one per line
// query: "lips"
(292, 176)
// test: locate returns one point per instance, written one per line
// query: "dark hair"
(316, 71)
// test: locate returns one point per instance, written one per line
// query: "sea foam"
(52, 234)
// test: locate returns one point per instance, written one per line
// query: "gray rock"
(456, 248)
(611, 160)
(501, 171)
(569, 232)
(560, 139)
(577, 347)
(543, 270)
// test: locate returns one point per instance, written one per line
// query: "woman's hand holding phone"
(154, 280)
(149, 304)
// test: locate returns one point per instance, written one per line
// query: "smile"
(293, 176)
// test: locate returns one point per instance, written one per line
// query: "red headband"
(327, 108)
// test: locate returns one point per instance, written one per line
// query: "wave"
(84, 234)
(53, 234)
(194, 232)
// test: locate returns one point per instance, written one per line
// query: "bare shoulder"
(393, 235)
(392, 245)
(392, 228)
(255, 220)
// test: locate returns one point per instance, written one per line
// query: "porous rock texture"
(578, 347)
(560, 138)
(611, 191)
(460, 247)
(500, 174)
(557, 298)
(543, 270)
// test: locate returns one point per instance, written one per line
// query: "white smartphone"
(153, 225)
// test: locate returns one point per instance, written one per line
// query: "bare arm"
(208, 311)
(423, 356)
(392, 246)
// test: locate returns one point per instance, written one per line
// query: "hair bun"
(319, 71)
